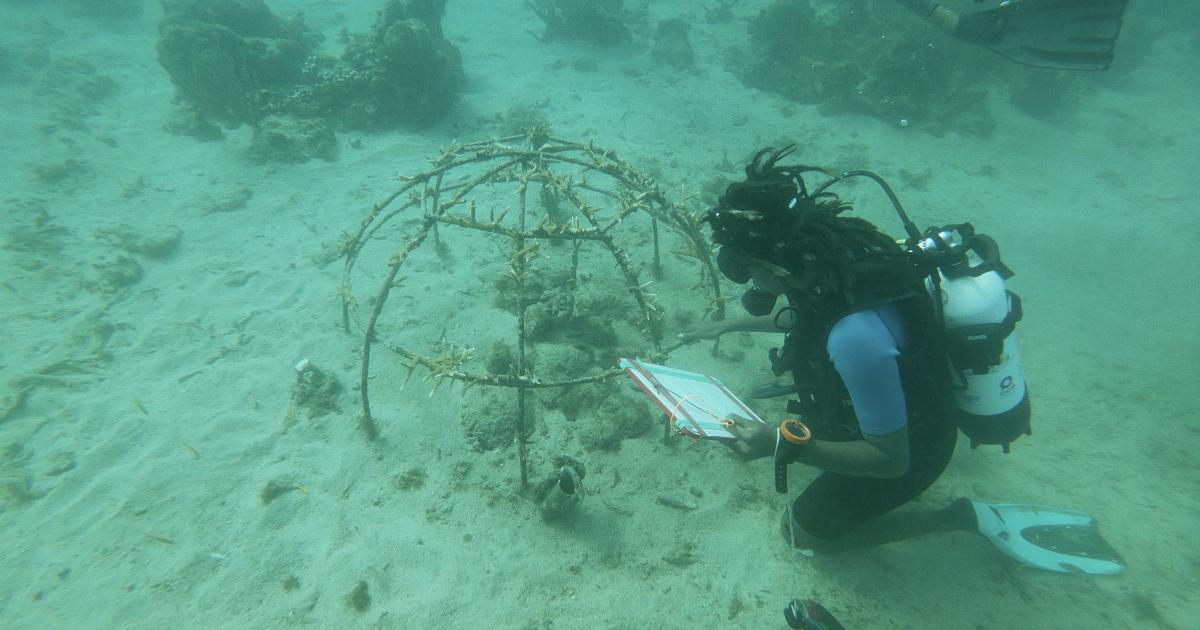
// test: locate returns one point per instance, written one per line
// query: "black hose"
(909, 227)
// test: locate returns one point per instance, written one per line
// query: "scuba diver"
(882, 378)
(1062, 34)
(861, 349)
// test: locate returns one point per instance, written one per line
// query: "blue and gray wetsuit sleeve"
(923, 8)
(864, 347)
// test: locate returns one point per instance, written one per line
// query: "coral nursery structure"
(563, 232)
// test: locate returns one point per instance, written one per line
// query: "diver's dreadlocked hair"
(771, 216)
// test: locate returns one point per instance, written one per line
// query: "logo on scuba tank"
(1006, 383)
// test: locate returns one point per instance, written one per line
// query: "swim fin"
(1062, 34)
(1048, 538)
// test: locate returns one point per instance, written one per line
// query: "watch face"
(798, 432)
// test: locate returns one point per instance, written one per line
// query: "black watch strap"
(781, 464)
(780, 475)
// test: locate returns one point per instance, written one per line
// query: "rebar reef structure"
(585, 194)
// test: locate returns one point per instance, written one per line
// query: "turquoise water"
(172, 273)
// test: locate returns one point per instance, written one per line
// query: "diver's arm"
(933, 12)
(864, 352)
(765, 323)
(881, 456)
(885, 457)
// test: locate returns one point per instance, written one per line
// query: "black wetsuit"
(831, 361)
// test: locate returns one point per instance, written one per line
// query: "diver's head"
(753, 215)
(773, 232)
(756, 224)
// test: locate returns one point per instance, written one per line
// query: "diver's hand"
(754, 439)
(944, 19)
(986, 27)
(708, 330)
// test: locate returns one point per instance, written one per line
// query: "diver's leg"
(900, 525)
(840, 512)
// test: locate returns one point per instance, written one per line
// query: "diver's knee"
(799, 537)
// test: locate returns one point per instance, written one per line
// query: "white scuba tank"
(990, 396)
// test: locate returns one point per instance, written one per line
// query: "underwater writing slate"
(696, 404)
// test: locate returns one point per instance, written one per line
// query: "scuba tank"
(965, 279)
(978, 316)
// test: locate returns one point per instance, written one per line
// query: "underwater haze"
(281, 280)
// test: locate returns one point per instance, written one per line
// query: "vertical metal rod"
(518, 269)
(658, 270)
(574, 282)
(430, 200)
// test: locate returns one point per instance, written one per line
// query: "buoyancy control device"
(978, 313)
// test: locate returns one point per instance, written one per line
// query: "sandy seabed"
(143, 423)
